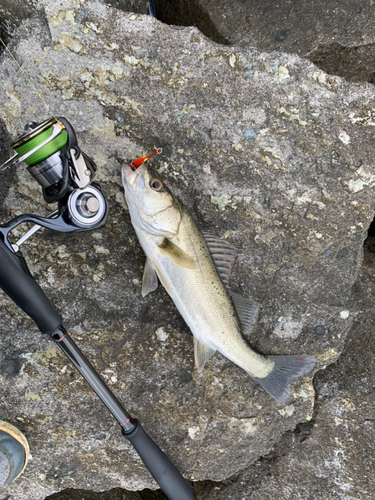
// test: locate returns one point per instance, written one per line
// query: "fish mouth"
(132, 178)
(132, 172)
(126, 171)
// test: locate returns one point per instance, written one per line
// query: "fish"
(194, 268)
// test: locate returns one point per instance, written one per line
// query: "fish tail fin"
(286, 369)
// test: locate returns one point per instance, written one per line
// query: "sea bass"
(194, 269)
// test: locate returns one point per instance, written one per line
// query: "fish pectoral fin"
(223, 254)
(202, 353)
(149, 280)
(247, 310)
(176, 254)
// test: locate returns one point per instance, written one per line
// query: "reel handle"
(161, 468)
(18, 283)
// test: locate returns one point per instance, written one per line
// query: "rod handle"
(17, 282)
(161, 468)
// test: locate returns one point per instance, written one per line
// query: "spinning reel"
(65, 173)
(53, 157)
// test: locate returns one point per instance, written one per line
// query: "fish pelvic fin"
(286, 369)
(202, 353)
(149, 280)
(176, 254)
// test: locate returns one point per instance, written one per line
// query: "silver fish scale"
(201, 297)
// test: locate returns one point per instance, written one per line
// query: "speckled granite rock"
(264, 149)
(14, 12)
(331, 456)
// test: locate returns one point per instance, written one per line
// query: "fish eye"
(156, 184)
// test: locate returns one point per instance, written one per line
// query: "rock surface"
(264, 149)
(289, 25)
(336, 35)
(115, 494)
(12, 14)
(332, 456)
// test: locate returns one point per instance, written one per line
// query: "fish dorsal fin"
(149, 280)
(223, 254)
(247, 310)
(176, 254)
(202, 353)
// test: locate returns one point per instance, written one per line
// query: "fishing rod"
(53, 157)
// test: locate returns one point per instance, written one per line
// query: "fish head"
(153, 208)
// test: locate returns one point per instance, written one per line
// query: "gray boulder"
(265, 150)
(336, 35)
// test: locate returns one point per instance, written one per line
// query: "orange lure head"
(138, 162)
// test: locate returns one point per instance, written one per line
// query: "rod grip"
(161, 468)
(17, 282)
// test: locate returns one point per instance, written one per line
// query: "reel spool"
(50, 149)
(44, 164)
(51, 153)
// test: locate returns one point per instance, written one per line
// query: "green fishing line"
(46, 151)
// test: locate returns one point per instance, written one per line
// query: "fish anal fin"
(202, 353)
(176, 254)
(247, 310)
(149, 279)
